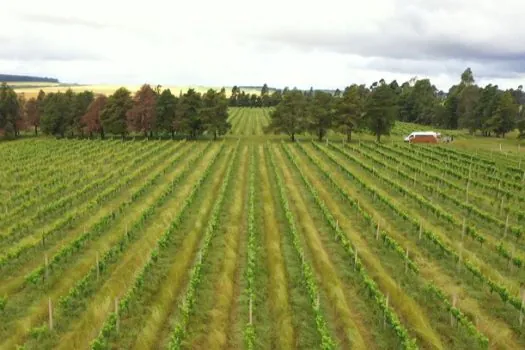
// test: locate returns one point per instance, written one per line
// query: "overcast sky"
(303, 43)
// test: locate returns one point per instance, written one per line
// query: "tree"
(167, 117)
(255, 101)
(214, 113)
(451, 107)
(113, 116)
(422, 99)
(486, 109)
(467, 103)
(91, 119)
(288, 116)
(416, 101)
(349, 111)
(381, 110)
(520, 124)
(57, 108)
(33, 114)
(81, 103)
(467, 77)
(189, 105)
(234, 97)
(265, 95)
(40, 101)
(142, 115)
(505, 117)
(9, 110)
(320, 114)
(275, 98)
(69, 119)
(21, 120)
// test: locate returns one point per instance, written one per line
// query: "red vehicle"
(423, 137)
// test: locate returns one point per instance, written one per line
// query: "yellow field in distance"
(34, 88)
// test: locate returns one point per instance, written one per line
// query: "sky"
(294, 43)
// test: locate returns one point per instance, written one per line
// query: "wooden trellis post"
(386, 309)
(406, 262)
(251, 320)
(521, 309)
(460, 257)
(98, 267)
(468, 185)
(117, 321)
(506, 226)
(454, 298)
(46, 261)
(50, 310)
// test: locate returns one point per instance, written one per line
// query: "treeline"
(8, 78)
(239, 98)
(488, 110)
(149, 111)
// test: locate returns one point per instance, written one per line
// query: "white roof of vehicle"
(424, 133)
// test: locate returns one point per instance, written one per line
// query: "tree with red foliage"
(142, 116)
(91, 119)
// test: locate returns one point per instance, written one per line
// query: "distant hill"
(26, 78)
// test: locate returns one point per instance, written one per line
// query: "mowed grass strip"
(278, 289)
(442, 272)
(403, 304)
(163, 299)
(43, 218)
(295, 247)
(198, 328)
(27, 229)
(181, 322)
(148, 281)
(59, 285)
(492, 234)
(101, 161)
(226, 282)
(349, 330)
(134, 257)
(351, 160)
(23, 263)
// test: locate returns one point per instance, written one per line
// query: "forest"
(489, 110)
(26, 78)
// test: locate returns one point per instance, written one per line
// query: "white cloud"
(329, 44)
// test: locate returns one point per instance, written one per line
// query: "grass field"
(258, 243)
